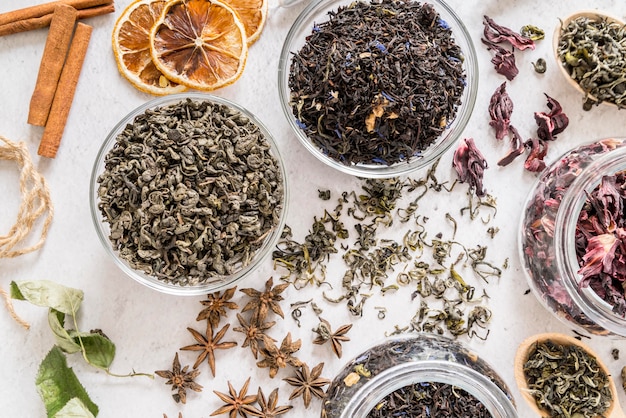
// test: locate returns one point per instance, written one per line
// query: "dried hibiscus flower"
(500, 110)
(470, 165)
(601, 241)
(538, 150)
(503, 60)
(517, 147)
(552, 123)
(496, 33)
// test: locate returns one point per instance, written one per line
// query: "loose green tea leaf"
(57, 384)
(566, 381)
(48, 294)
(75, 408)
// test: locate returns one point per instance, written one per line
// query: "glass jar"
(406, 360)
(548, 231)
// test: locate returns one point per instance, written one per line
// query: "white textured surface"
(148, 327)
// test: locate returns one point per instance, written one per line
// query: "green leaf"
(75, 408)
(99, 350)
(15, 292)
(64, 340)
(48, 294)
(57, 384)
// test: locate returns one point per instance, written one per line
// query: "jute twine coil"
(35, 204)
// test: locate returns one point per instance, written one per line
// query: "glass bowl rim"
(152, 282)
(318, 10)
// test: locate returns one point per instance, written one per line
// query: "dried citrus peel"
(201, 44)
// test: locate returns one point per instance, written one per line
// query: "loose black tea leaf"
(419, 396)
(566, 381)
(190, 191)
(592, 52)
(429, 399)
(355, 88)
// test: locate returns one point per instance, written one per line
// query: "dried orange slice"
(252, 14)
(131, 47)
(199, 43)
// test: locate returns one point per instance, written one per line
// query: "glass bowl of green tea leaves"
(188, 193)
(590, 48)
(378, 89)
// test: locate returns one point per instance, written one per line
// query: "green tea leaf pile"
(190, 191)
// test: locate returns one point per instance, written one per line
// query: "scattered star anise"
(267, 408)
(262, 301)
(325, 333)
(276, 358)
(308, 383)
(180, 379)
(216, 305)
(234, 403)
(254, 333)
(208, 344)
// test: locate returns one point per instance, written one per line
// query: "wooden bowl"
(525, 349)
(592, 15)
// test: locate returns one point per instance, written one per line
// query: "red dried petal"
(470, 165)
(598, 257)
(503, 60)
(538, 150)
(517, 147)
(497, 33)
(500, 110)
(552, 123)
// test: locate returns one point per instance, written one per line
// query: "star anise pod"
(234, 403)
(325, 333)
(276, 357)
(180, 379)
(267, 408)
(308, 383)
(208, 344)
(216, 305)
(262, 301)
(254, 333)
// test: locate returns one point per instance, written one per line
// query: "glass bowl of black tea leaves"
(418, 375)
(188, 193)
(378, 88)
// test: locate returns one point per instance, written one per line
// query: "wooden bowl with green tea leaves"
(551, 363)
(591, 53)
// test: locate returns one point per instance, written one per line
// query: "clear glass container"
(316, 12)
(547, 236)
(410, 359)
(213, 283)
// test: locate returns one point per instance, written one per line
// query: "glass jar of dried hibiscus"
(419, 375)
(573, 237)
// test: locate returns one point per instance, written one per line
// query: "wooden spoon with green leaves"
(562, 57)
(548, 346)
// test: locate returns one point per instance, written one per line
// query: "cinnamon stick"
(46, 9)
(54, 53)
(64, 96)
(25, 25)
